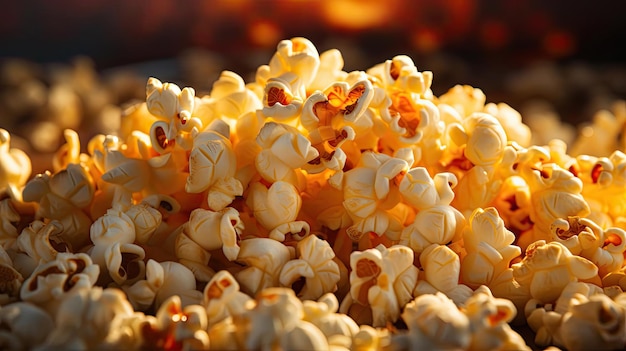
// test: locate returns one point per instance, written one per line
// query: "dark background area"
(486, 44)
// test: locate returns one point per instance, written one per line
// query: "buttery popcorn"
(314, 208)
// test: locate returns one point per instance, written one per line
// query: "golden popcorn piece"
(19, 319)
(548, 267)
(442, 270)
(176, 327)
(263, 259)
(434, 323)
(465, 99)
(15, 167)
(173, 107)
(222, 299)
(52, 281)
(383, 280)
(315, 265)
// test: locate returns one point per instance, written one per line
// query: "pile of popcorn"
(316, 209)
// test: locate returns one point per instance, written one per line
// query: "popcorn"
(63, 196)
(222, 299)
(206, 231)
(52, 281)
(228, 220)
(315, 265)
(382, 279)
(173, 107)
(434, 323)
(435, 260)
(548, 267)
(19, 319)
(490, 250)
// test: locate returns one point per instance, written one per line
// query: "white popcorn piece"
(283, 150)
(11, 279)
(19, 320)
(264, 259)
(436, 222)
(315, 264)
(206, 231)
(596, 322)
(52, 281)
(554, 193)
(146, 219)
(575, 233)
(548, 267)
(371, 339)
(63, 196)
(41, 241)
(382, 279)
(488, 319)
(434, 323)
(87, 318)
(323, 314)
(330, 70)
(276, 209)
(511, 121)
(296, 55)
(545, 319)
(371, 194)
(15, 167)
(212, 166)
(163, 280)
(442, 270)
(229, 100)
(483, 137)
(275, 321)
(282, 99)
(328, 117)
(490, 250)
(173, 107)
(222, 298)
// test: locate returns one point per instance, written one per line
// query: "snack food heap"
(316, 209)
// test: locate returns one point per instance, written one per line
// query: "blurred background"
(97, 54)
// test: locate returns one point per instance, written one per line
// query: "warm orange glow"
(358, 14)
(559, 43)
(264, 33)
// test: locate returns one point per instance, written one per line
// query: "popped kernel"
(315, 265)
(442, 270)
(18, 320)
(381, 279)
(222, 299)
